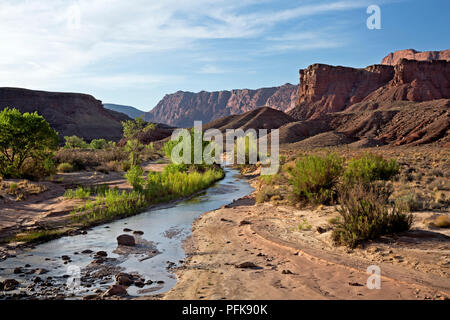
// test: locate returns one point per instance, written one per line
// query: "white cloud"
(47, 42)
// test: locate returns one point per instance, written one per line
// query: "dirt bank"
(285, 262)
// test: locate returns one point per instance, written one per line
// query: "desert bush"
(314, 178)
(82, 159)
(65, 167)
(132, 127)
(442, 222)
(367, 214)
(370, 168)
(267, 193)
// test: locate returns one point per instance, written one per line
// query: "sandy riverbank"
(303, 264)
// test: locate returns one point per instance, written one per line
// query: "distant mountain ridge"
(132, 112)
(181, 109)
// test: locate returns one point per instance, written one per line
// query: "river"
(166, 227)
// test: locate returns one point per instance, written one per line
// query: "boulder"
(126, 240)
(115, 290)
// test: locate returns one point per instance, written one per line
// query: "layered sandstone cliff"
(68, 113)
(394, 57)
(328, 89)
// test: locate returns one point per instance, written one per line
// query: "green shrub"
(314, 178)
(98, 144)
(74, 142)
(65, 167)
(367, 214)
(370, 168)
(135, 178)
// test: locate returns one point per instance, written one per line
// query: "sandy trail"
(287, 269)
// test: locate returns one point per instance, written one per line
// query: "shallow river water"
(166, 227)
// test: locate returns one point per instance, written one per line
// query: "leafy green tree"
(24, 137)
(133, 127)
(74, 142)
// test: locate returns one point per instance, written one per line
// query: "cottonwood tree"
(23, 137)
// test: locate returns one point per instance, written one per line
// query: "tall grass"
(158, 187)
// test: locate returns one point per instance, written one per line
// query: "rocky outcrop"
(181, 109)
(394, 57)
(68, 113)
(416, 81)
(326, 89)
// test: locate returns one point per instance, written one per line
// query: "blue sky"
(134, 52)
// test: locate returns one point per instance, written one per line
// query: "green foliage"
(304, 226)
(24, 138)
(314, 178)
(98, 144)
(132, 127)
(134, 178)
(367, 214)
(370, 168)
(65, 167)
(80, 193)
(74, 142)
(134, 148)
(158, 187)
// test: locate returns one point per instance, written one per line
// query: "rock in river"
(126, 240)
(115, 290)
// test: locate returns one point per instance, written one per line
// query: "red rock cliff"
(394, 57)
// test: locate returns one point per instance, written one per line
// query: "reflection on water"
(166, 227)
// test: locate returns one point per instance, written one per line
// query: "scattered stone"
(160, 282)
(124, 279)
(247, 265)
(27, 266)
(126, 240)
(37, 280)
(115, 290)
(149, 282)
(321, 230)
(101, 254)
(127, 230)
(41, 271)
(139, 284)
(65, 258)
(355, 284)
(287, 272)
(91, 297)
(225, 220)
(18, 270)
(139, 233)
(10, 284)
(87, 251)
(244, 222)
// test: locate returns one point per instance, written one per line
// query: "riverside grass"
(159, 187)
